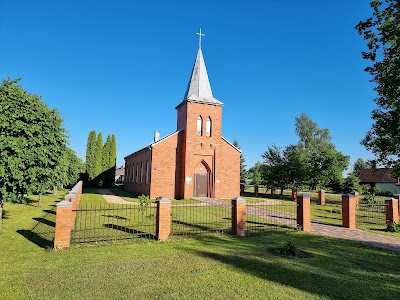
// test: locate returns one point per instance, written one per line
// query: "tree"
(359, 165)
(381, 31)
(255, 173)
(91, 155)
(243, 171)
(325, 163)
(33, 144)
(105, 164)
(351, 183)
(98, 156)
(284, 167)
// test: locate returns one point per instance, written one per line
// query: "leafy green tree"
(351, 183)
(382, 33)
(243, 171)
(91, 155)
(284, 167)
(359, 165)
(325, 163)
(32, 143)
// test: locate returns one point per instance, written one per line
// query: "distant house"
(381, 178)
(120, 175)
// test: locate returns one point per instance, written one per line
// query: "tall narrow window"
(208, 127)
(147, 172)
(141, 172)
(133, 173)
(199, 126)
(137, 173)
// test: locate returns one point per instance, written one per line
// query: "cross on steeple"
(200, 35)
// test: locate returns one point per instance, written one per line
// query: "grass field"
(218, 267)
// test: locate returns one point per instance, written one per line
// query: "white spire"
(199, 89)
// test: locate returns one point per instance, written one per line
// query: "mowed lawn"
(218, 267)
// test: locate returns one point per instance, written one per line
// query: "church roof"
(199, 88)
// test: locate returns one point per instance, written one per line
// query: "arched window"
(208, 127)
(199, 126)
(147, 172)
(141, 172)
(133, 173)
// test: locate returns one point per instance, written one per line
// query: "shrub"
(393, 227)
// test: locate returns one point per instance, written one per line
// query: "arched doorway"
(202, 186)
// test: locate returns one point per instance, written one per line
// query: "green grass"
(218, 267)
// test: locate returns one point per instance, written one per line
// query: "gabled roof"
(381, 175)
(152, 144)
(199, 88)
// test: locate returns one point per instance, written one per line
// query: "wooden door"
(201, 185)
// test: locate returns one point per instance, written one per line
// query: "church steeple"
(199, 88)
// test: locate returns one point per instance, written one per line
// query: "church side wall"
(164, 164)
(137, 178)
(228, 172)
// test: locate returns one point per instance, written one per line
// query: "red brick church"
(195, 160)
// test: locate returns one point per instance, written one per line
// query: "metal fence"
(371, 215)
(114, 222)
(270, 215)
(201, 217)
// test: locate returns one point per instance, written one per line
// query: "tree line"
(101, 159)
(34, 151)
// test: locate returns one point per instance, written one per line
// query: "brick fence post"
(256, 190)
(238, 216)
(321, 197)
(349, 204)
(357, 195)
(273, 191)
(397, 196)
(62, 237)
(163, 219)
(303, 212)
(392, 210)
(294, 194)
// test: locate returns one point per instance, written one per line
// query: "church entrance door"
(201, 184)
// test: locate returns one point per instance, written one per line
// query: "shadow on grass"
(197, 226)
(45, 221)
(135, 232)
(335, 269)
(36, 238)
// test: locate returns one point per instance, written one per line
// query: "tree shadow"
(37, 239)
(333, 269)
(45, 221)
(131, 231)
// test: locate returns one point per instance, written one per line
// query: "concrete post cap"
(390, 199)
(164, 200)
(238, 199)
(348, 196)
(303, 196)
(64, 203)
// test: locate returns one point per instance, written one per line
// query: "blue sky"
(122, 66)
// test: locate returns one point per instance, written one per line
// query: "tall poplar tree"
(99, 155)
(91, 155)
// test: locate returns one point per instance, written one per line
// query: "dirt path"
(110, 197)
